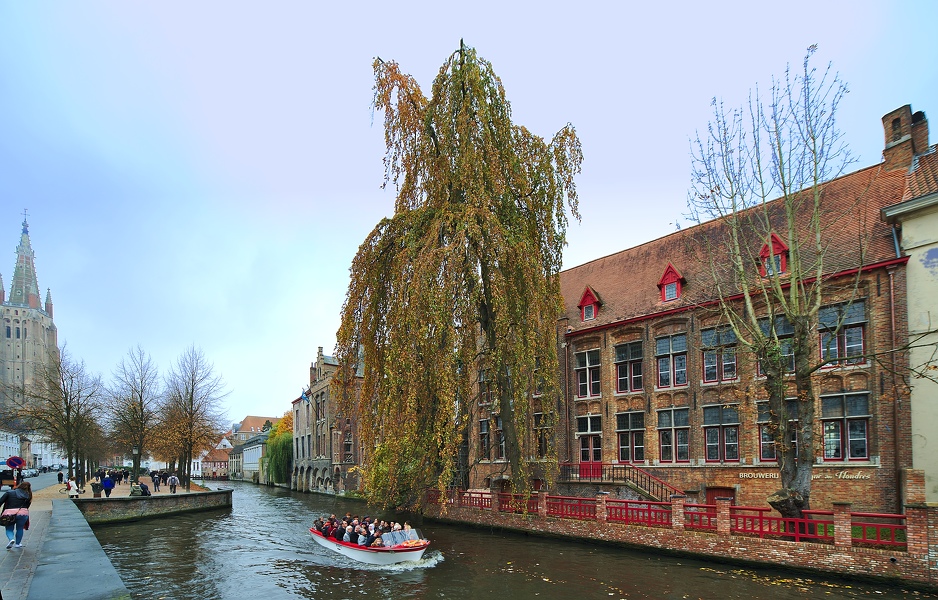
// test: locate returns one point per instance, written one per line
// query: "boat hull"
(372, 556)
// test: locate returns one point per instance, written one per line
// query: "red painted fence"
(867, 529)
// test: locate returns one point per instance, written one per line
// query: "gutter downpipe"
(895, 389)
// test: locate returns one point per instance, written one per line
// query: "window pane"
(582, 424)
(596, 424)
(667, 453)
(708, 338)
(729, 363)
(853, 341)
(680, 369)
(711, 415)
(762, 408)
(587, 312)
(828, 346)
(624, 448)
(767, 444)
(580, 359)
(664, 418)
(855, 313)
(622, 421)
(712, 436)
(670, 291)
(857, 434)
(679, 343)
(593, 357)
(581, 383)
(731, 443)
(636, 376)
(681, 417)
(832, 439)
(622, 377)
(594, 382)
(710, 365)
(664, 372)
(622, 353)
(662, 346)
(832, 407)
(858, 405)
(635, 350)
(638, 420)
(682, 436)
(638, 443)
(730, 415)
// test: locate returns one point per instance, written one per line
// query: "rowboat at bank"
(397, 550)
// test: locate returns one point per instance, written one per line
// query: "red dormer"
(670, 284)
(589, 304)
(773, 260)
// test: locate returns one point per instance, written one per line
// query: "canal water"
(261, 549)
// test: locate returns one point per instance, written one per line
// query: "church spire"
(25, 288)
(3, 291)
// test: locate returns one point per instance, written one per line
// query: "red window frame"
(589, 376)
(671, 277)
(629, 367)
(838, 355)
(720, 354)
(777, 252)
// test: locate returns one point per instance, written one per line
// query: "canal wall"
(131, 508)
(917, 566)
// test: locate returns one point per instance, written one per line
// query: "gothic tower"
(28, 337)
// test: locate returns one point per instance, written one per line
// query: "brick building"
(325, 442)
(651, 379)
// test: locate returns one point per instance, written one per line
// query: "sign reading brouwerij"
(842, 475)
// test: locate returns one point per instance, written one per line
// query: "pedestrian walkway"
(61, 557)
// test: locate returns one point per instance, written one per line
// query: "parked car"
(30, 472)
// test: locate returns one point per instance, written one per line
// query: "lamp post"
(136, 451)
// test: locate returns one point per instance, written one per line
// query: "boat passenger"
(409, 532)
(378, 543)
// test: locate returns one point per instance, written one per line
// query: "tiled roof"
(627, 280)
(923, 175)
(257, 423)
(217, 455)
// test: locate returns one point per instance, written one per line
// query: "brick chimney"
(906, 135)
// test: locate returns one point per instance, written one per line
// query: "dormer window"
(589, 305)
(773, 258)
(670, 284)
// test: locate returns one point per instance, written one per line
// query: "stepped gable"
(628, 280)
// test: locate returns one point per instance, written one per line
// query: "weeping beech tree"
(462, 280)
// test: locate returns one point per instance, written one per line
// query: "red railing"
(755, 521)
(700, 516)
(617, 473)
(481, 500)
(567, 507)
(518, 503)
(639, 512)
(869, 528)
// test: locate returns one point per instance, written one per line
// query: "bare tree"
(134, 399)
(760, 174)
(192, 417)
(63, 402)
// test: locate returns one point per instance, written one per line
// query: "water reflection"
(262, 548)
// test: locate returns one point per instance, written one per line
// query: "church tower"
(28, 337)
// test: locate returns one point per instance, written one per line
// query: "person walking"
(155, 477)
(173, 481)
(72, 487)
(108, 484)
(15, 513)
(61, 477)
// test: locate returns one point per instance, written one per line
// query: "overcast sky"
(203, 172)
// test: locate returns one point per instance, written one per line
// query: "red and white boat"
(403, 551)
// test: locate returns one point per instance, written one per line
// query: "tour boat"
(400, 550)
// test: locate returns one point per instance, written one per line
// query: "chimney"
(897, 127)
(919, 132)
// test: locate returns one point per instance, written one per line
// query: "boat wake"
(429, 560)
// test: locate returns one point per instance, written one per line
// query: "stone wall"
(132, 508)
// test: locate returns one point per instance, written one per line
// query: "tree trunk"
(788, 502)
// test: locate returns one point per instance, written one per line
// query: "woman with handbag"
(16, 512)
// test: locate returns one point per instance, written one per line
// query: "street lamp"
(136, 451)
